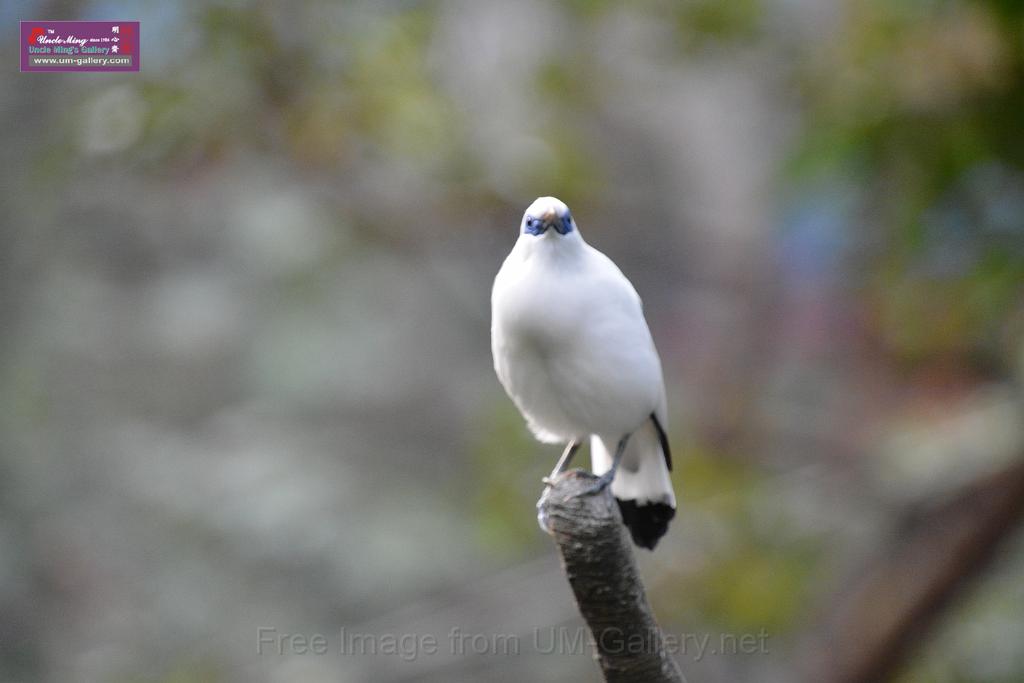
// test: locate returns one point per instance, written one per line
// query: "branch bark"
(597, 556)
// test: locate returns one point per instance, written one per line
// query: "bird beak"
(550, 219)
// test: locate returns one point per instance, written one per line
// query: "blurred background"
(245, 378)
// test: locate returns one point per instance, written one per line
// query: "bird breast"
(573, 351)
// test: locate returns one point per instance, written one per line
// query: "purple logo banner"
(80, 46)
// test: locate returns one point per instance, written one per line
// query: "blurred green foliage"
(397, 105)
(508, 467)
(757, 570)
(706, 22)
(920, 105)
(195, 672)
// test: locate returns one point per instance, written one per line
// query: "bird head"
(547, 213)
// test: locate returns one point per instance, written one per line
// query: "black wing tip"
(663, 439)
(646, 522)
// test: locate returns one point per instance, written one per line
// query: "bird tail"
(642, 485)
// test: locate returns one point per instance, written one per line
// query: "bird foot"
(542, 514)
(598, 486)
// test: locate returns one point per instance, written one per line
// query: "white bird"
(573, 351)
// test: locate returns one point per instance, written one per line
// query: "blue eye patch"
(535, 226)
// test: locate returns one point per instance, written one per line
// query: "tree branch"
(877, 623)
(597, 556)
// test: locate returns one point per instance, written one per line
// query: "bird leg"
(549, 481)
(563, 462)
(605, 479)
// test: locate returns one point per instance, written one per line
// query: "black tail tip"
(646, 522)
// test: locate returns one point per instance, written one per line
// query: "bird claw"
(542, 514)
(597, 487)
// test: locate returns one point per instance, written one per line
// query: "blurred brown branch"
(597, 556)
(884, 615)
